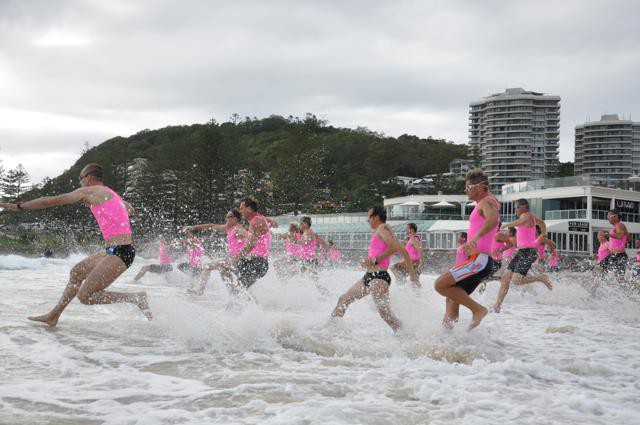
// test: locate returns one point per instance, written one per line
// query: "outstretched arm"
(74, 197)
(205, 227)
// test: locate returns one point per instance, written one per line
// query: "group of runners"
(481, 251)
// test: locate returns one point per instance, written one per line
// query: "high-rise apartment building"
(515, 135)
(608, 150)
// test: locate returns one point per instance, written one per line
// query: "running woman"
(90, 278)
(527, 254)
(458, 284)
(376, 280)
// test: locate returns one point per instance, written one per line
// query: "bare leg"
(451, 314)
(380, 293)
(204, 278)
(519, 279)
(504, 288)
(357, 291)
(445, 285)
(398, 272)
(78, 273)
(142, 272)
(104, 274)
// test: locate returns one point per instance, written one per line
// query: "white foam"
(549, 357)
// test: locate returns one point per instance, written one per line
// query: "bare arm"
(523, 219)
(619, 231)
(205, 227)
(543, 226)
(78, 195)
(272, 222)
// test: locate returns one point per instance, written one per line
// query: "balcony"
(565, 214)
(428, 216)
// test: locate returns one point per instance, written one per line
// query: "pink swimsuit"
(263, 244)
(308, 248)
(461, 257)
(414, 254)
(526, 237)
(540, 248)
(165, 258)
(617, 244)
(335, 255)
(234, 243)
(553, 262)
(603, 251)
(476, 221)
(194, 256)
(376, 248)
(112, 216)
(509, 251)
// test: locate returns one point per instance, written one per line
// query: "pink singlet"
(496, 254)
(165, 257)
(377, 247)
(540, 247)
(308, 249)
(414, 254)
(461, 257)
(509, 251)
(194, 256)
(603, 251)
(526, 236)
(335, 255)
(263, 244)
(553, 262)
(234, 243)
(112, 216)
(617, 244)
(476, 221)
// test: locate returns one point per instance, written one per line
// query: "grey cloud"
(290, 57)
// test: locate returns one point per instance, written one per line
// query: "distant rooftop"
(513, 92)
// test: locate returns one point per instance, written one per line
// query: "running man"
(617, 259)
(252, 262)
(600, 256)
(236, 236)
(289, 264)
(164, 260)
(413, 246)
(90, 277)
(376, 280)
(458, 284)
(195, 251)
(527, 254)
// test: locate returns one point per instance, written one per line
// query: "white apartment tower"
(608, 150)
(515, 135)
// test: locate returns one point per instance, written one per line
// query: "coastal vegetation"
(179, 175)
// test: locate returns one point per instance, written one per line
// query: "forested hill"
(187, 174)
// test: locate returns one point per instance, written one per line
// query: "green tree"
(15, 183)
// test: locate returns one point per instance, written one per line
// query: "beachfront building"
(608, 150)
(515, 135)
(458, 168)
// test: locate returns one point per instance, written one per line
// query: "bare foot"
(496, 308)
(547, 282)
(477, 318)
(143, 305)
(449, 322)
(48, 318)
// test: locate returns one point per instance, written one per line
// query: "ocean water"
(549, 358)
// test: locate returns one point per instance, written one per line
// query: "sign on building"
(579, 226)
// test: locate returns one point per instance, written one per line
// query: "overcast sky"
(84, 71)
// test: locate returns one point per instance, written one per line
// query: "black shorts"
(616, 263)
(523, 260)
(382, 275)
(124, 252)
(250, 269)
(160, 268)
(185, 267)
(472, 272)
(497, 265)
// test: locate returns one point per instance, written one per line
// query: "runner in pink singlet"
(252, 262)
(413, 246)
(376, 280)
(461, 256)
(236, 239)
(193, 265)
(289, 264)
(164, 261)
(458, 283)
(527, 254)
(90, 278)
(617, 259)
